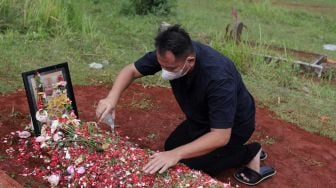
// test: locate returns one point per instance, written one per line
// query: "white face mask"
(168, 75)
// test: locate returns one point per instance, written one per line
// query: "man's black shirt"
(212, 95)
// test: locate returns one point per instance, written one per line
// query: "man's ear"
(191, 60)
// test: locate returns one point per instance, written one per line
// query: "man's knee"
(169, 145)
(178, 137)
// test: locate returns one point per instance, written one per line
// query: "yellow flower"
(57, 104)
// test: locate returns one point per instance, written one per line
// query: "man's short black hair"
(174, 39)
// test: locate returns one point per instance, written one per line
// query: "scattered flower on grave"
(71, 153)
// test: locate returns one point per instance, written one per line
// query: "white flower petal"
(53, 179)
(80, 170)
(24, 134)
(40, 139)
(42, 116)
(54, 126)
(57, 136)
(67, 155)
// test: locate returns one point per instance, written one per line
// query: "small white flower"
(75, 122)
(43, 145)
(54, 126)
(10, 151)
(53, 180)
(44, 131)
(127, 173)
(40, 139)
(58, 136)
(80, 170)
(42, 116)
(122, 159)
(47, 160)
(24, 134)
(67, 155)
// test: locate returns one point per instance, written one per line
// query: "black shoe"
(251, 177)
(263, 155)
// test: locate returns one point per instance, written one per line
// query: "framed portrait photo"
(44, 86)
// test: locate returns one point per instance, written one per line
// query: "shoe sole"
(265, 157)
(251, 184)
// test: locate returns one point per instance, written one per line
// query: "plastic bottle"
(109, 121)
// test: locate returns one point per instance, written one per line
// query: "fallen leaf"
(324, 119)
(105, 146)
(79, 160)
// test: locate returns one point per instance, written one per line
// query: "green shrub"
(144, 7)
(54, 17)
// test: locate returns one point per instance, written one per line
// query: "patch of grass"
(280, 87)
(3, 157)
(144, 104)
(268, 140)
(28, 185)
(297, 106)
(13, 175)
(291, 26)
(310, 2)
(14, 114)
(152, 136)
(312, 162)
(145, 7)
(113, 161)
(92, 129)
(43, 18)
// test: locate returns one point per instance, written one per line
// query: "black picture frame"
(47, 73)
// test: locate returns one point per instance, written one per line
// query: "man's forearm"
(203, 145)
(123, 80)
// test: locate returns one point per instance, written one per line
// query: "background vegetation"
(37, 33)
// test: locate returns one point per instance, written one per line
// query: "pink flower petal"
(40, 139)
(24, 134)
(71, 169)
(80, 170)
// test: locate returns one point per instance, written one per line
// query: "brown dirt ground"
(148, 115)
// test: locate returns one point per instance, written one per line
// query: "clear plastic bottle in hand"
(109, 121)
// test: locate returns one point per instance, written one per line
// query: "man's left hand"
(161, 161)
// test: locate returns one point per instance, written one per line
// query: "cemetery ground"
(147, 115)
(296, 118)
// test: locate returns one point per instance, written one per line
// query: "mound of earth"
(147, 115)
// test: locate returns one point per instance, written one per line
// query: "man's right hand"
(104, 107)
(123, 80)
